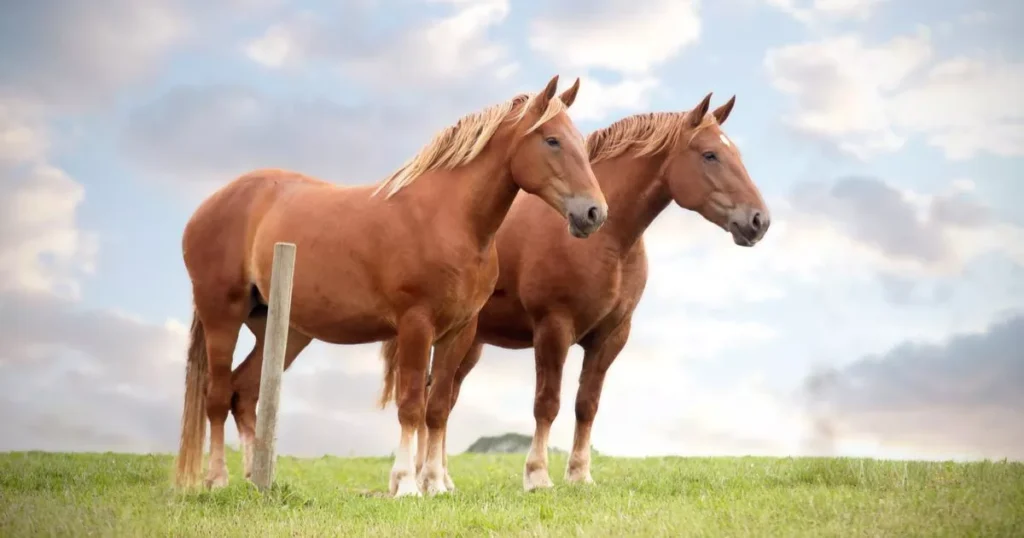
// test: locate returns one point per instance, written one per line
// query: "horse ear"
(545, 95)
(722, 113)
(698, 113)
(568, 97)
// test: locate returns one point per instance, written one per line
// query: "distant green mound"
(509, 443)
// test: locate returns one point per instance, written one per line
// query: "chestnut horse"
(554, 292)
(414, 265)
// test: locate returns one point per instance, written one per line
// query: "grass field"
(47, 494)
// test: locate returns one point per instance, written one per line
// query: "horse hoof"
(402, 484)
(538, 479)
(216, 482)
(579, 477)
(432, 483)
(407, 488)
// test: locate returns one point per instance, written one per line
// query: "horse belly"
(341, 311)
(504, 323)
(329, 308)
(346, 330)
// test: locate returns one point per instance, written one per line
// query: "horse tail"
(193, 414)
(389, 354)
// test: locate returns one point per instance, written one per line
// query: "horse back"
(218, 237)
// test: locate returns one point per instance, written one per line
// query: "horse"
(413, 265)
(554, 292)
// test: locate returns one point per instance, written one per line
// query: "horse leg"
(551, 340)
(421, 430)
(245, 381)
(222, 323)
(472, 357)
(421, 441)
(449, 352)
(599, 353)
(467, 364)
(415, 336)
(242, 379)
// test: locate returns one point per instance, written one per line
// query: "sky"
(881, 316)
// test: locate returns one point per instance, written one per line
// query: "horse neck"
(480, 194)
(635, 196)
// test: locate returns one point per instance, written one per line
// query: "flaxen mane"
(462, 142)
(648, 133)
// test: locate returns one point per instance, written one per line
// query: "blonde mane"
(462, 142)
(646, 134)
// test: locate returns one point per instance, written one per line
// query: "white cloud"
(659, 331)
(692, 261)
(692, 416)
(845, 232)
(814, 11)
(616, 35)
(867, 99)
(41, 246)
(443, 50)
(273, 49)
(506, 71)
(981, 103)
(83, 52)
(969, 383)
(905, 232)
(459, 43)
(21, 135)
(840, 86)
(203, 136)
(597, 100)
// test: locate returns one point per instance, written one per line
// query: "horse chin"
(738, 237)
(576, 232)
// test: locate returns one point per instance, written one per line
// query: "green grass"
(47, 494)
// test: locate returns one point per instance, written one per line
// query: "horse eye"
(551, 141)
(710, 156)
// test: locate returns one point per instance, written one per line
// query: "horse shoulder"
(491, 265)
(457, 274)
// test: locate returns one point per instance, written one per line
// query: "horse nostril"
(592, 214)
(755, 221)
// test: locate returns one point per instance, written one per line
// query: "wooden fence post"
(275, 343)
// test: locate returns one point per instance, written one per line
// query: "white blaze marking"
(725, 139)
